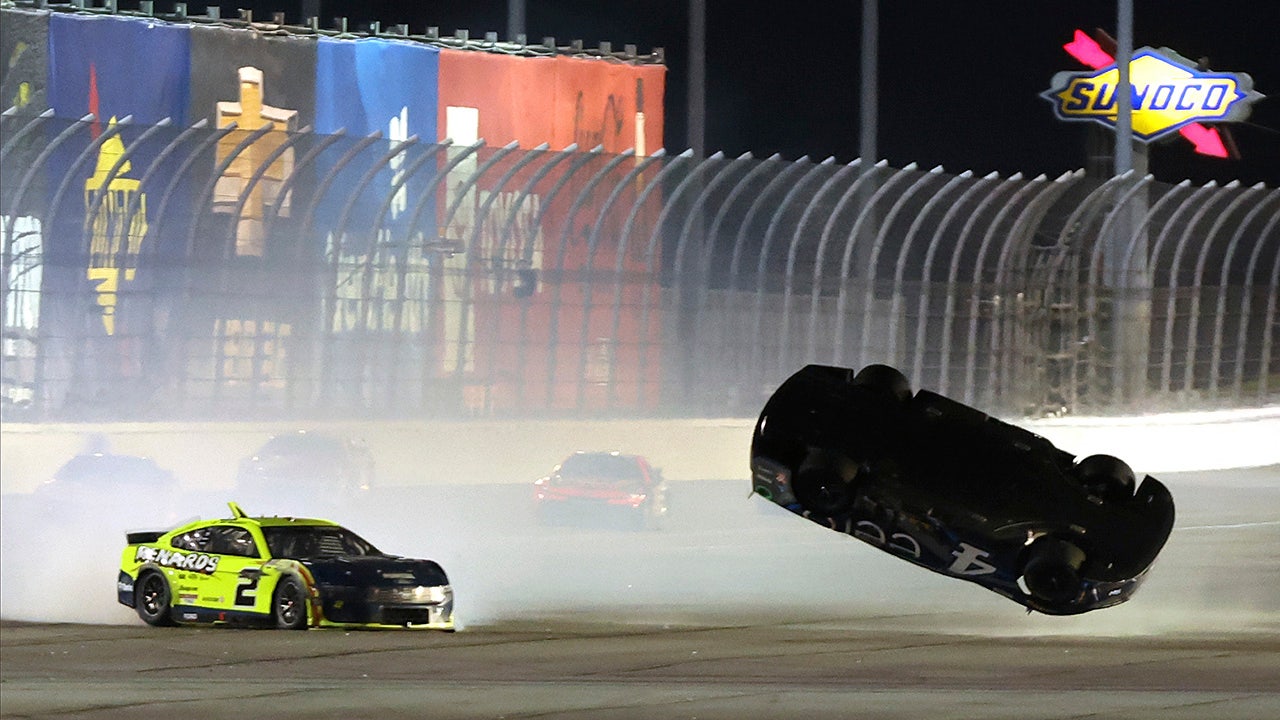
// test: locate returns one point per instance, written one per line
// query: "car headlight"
(439, 593)
(418, 595)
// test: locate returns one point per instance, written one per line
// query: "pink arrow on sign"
(1088, 51)
(1207, 140)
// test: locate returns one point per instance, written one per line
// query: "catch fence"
(161, 271)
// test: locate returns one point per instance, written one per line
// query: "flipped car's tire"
(152, 599)
(886, 380)
(821, 485)
(1107, 477)
(1051, 572)
(289, 604)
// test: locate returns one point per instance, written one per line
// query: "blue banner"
(392, 88)
(99, 291)
(116, 66)
(377, 85)
(388, 87)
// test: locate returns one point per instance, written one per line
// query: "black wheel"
(1052, 572)
(151, 596)
(290, 604)
(884, 379)
(824, 484)
(1107, 477)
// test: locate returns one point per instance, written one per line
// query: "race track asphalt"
(888, 667)
(730, 611)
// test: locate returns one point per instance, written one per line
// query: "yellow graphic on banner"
(251, 113)
(113, 245)
(1165, 95)
(22, 97)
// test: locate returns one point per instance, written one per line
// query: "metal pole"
(870, 93)
(310, 9)
(697, 77)
(515, 20)
(1124, 93)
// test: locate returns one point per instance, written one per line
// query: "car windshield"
(601, 467)
(313, 541)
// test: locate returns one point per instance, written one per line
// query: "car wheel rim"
(151, 597)
(289, 604)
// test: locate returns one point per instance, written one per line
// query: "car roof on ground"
(603, 463)
(303, 439)
(94, 465)
(605, 453)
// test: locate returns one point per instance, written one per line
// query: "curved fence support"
(867, 274)
(869, 292)
(589, 270)
(615, 321)
(828, 230)
(1114, 297)
(793, 252)
(1197, 276)
(553, 332)
(916, 376)
(1198, 212)
(682, 281)
(1220, 310)
(758, 334)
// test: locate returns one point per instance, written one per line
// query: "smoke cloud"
(721, 557)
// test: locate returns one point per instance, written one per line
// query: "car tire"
(821, 487)
(289, 604)
(152, 599)
(884, 380)
(1107, 477)
(1052, 571)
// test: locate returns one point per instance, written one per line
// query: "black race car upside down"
(947, 487)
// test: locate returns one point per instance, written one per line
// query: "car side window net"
(227, 540)
(196, 540)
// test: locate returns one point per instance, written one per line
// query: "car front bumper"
(396, 606)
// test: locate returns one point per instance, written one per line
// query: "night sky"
(960, 80)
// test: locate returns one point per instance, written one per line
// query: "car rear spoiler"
(145, 536)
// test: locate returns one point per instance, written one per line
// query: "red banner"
(559, 100)
(611, 104)
(496, 97)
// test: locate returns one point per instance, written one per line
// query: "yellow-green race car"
(283, 572)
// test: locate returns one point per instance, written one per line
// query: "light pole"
(697, 77)
(1124, 93)
(868, 109)
(515, 20)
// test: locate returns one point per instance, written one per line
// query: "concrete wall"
(205, 455)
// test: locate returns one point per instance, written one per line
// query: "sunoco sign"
(1168, 92)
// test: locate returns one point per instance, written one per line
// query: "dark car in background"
(105, 471)
(316, 465)
(130, 489)
(947, 487)
(602, 487)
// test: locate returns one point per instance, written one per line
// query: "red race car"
(594, 487)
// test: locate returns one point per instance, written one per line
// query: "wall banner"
(24, 64)
(118, 66)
